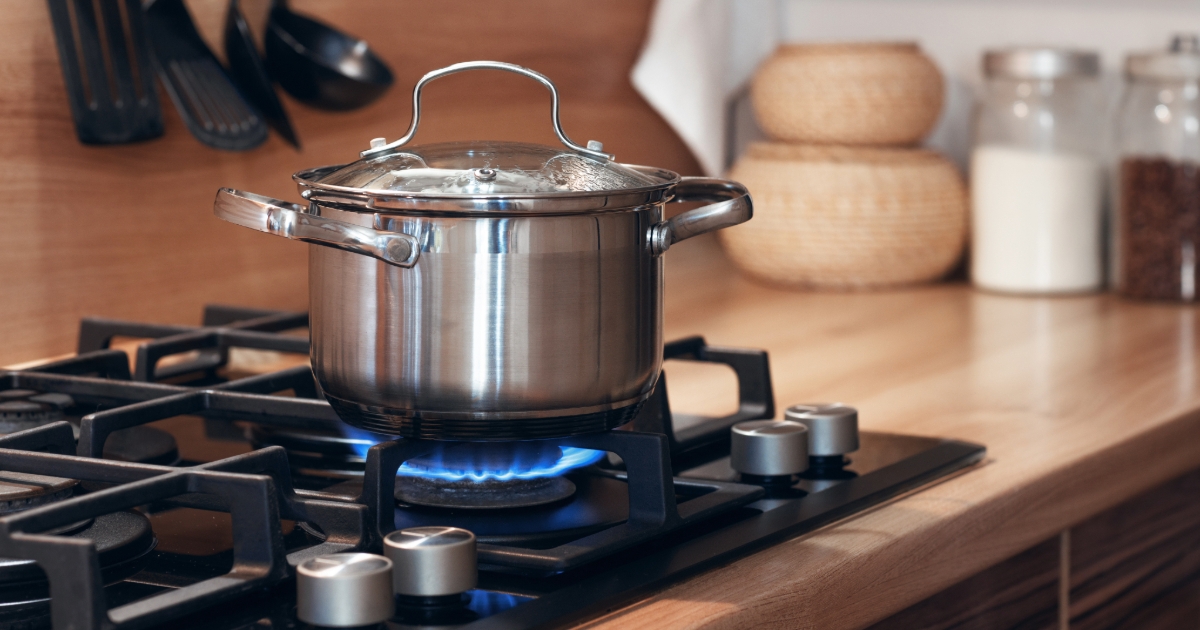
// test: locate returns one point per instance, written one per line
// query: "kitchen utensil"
(845, 217)
(1157, 215)
(106, 68)
(321, 66)
(249, 73)
(1037, 182)
(857, 94)
(487, 290)
(210, 105)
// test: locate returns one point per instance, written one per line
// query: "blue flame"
(572, 458)
(488, 603)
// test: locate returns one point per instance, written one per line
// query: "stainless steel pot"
(487, 290)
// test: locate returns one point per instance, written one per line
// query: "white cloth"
(698, 54)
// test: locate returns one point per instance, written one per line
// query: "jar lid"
(1040, 63)
(1180, 61)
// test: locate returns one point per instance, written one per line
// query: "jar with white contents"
(1037, 180)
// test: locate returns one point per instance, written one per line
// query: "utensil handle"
(733, 207)
(380, 146)
(289, 220)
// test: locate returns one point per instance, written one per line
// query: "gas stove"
(188, 490)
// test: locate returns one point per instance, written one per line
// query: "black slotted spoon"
(208, 101)
(107, 70)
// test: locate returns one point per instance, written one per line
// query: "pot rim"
(556, 203)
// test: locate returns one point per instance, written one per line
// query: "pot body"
(507, 327)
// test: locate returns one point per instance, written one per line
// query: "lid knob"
(343, 590)
(769, 448)
(432, 561)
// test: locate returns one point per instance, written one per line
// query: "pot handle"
(289, 220)
(380, 146)
(733, 207)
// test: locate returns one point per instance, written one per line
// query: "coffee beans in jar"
(1157, 223)
(1159, 228)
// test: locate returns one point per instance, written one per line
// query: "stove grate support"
(224, 327)
(255, 488)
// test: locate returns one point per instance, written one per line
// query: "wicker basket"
(840, 217)
(852, 94)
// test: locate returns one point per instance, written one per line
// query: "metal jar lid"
(485, 176)
(1181, 61)
(1040, 63)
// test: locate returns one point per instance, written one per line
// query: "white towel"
(698, 54)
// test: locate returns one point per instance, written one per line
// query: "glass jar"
(1158, 174)
(1037, 177)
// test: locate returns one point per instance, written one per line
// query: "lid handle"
(381, 146)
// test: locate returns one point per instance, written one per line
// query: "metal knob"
(832, 427)
(432, 561)
(342, 590)
(769, 448)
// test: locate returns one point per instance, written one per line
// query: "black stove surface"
(203, 530)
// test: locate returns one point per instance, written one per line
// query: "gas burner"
(21, 491)
(598, 500)
(122, 540)
(491, 475)
(483, 495)
(146, 445)
(22, 409)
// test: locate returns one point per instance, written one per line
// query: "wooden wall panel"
(127, 231)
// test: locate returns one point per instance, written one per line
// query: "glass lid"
(485, 175)
(486, 168)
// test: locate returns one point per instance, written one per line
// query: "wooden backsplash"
(128, 232)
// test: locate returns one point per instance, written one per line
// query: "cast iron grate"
(257, 488)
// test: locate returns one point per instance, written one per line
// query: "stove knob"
(832, 427)
(342, 590)
(432, 561)
(769, 448)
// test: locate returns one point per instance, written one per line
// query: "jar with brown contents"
(1157, 226)
(1160, 227)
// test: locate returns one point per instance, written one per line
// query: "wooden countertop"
(1083, 402)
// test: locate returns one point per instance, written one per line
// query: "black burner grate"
(224, 327)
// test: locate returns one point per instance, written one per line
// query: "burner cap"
(482, 495)
(22, 409)
(146, 445)
(21, 491)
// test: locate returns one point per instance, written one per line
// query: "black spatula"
(249, 72)
(209, 103)
(107, 70)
